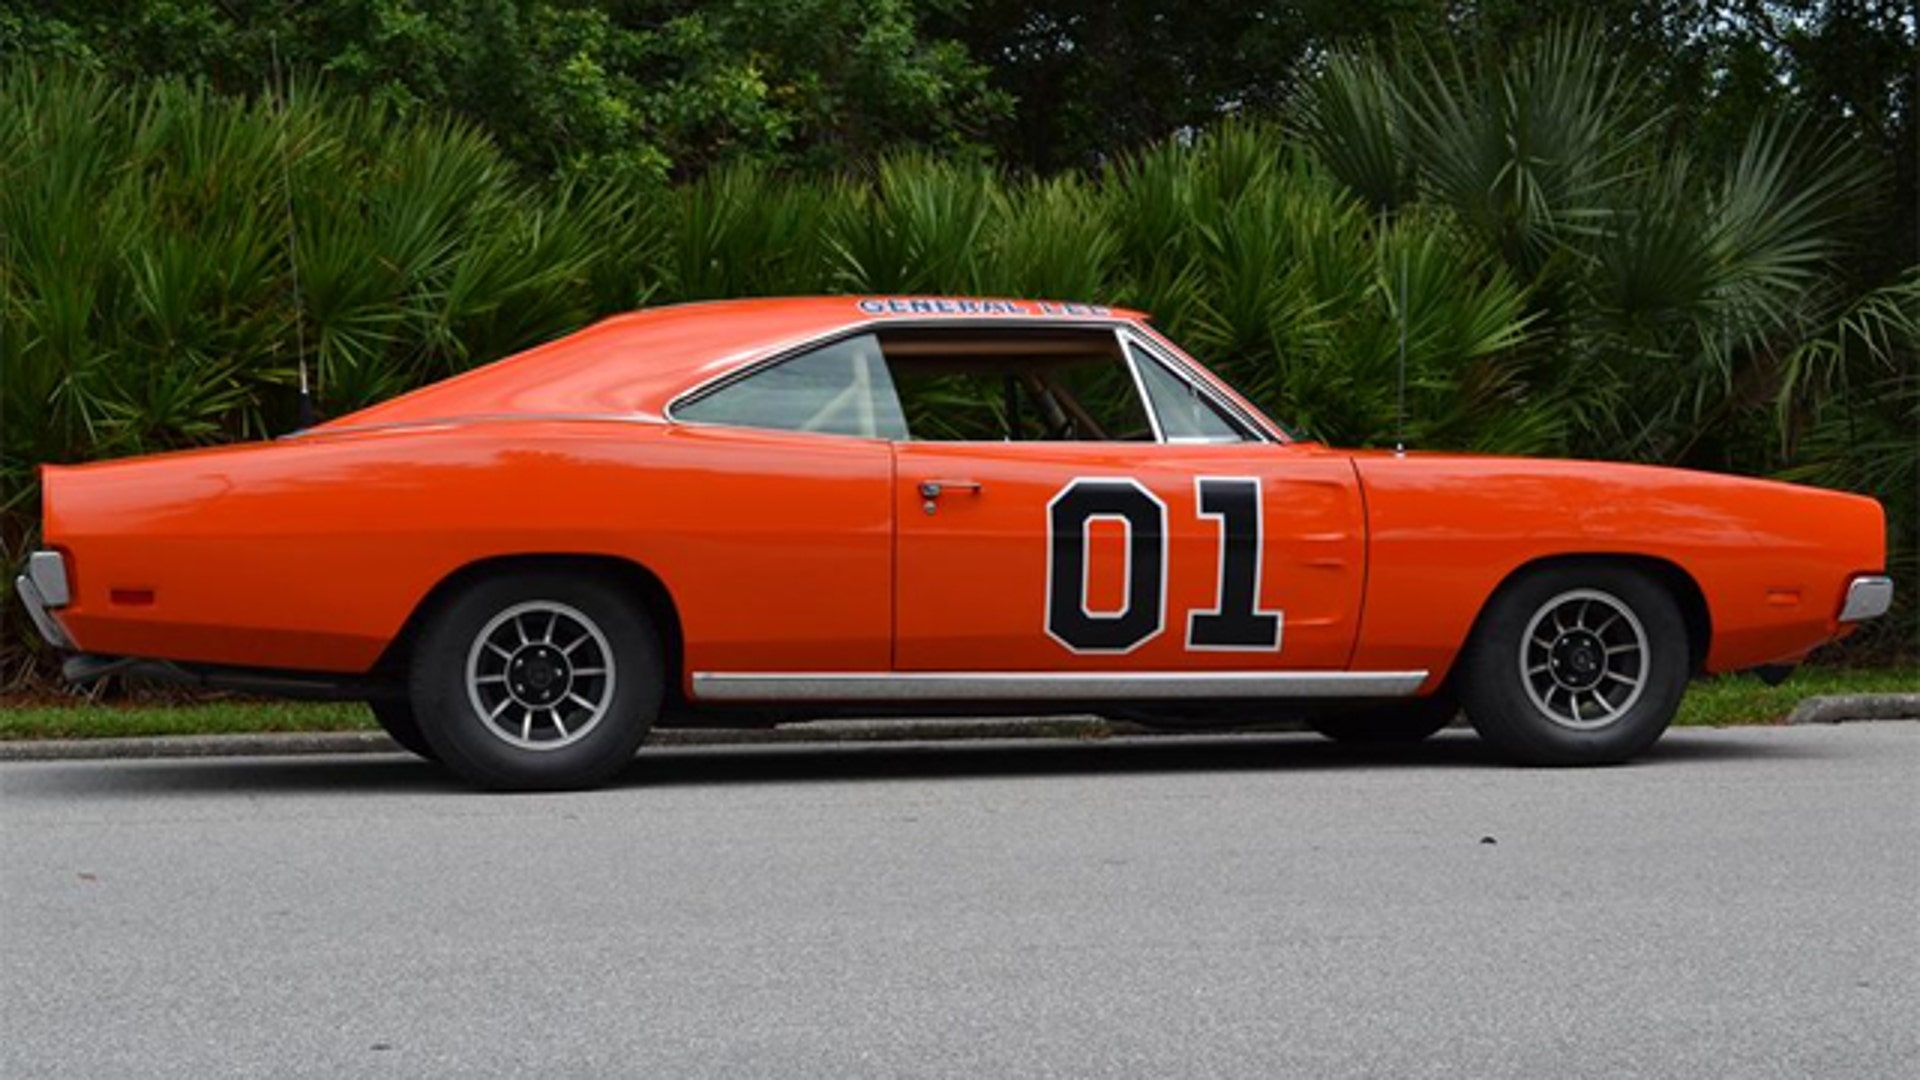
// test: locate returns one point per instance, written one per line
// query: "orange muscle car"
(774, 508)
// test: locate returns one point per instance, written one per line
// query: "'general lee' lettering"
(937, 306)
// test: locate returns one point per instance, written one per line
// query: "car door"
(1193, 555)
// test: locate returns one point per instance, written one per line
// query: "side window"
(838, 389)
(1107, 399)
(1026, 385)
(1185, 414)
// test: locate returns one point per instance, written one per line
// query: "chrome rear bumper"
(43, 589)
(1868, 597)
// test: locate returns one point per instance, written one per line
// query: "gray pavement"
(1744, 903)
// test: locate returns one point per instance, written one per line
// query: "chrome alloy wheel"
(540, 675)
(1583, 659)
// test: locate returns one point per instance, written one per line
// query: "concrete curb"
(294, 744)
(1840, 708)
(275, 744)
(1816, 710)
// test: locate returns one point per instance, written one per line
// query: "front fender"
(1772, 561)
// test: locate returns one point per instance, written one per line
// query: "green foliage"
(148, 241)
(636, 88)
(1848, 412)
(653, 88)
(1096, 78)
(1054, 238)
(1742, 699)
(1679, 311)
(19, 722)
(737, 233)
(1353, 119)
(1566, 284)
(915, 229)
(1259, 259)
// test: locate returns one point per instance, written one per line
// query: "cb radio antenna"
(1400, 390)
(306, 418)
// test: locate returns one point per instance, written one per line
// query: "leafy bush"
(640, 88)
(146, 267)
(150, 290)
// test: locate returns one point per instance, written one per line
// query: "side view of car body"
(770, 508)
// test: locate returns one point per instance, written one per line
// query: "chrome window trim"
(1139, 386)
(1270, 430)
(756, 686)
(473, 418)
(1255, 431)
(1125, 331)
(1868, 597)
(1118, 327)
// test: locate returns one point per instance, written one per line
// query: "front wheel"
(537, 681)
(1576, 665)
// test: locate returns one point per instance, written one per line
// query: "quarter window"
(1185, 414)
(838, 389)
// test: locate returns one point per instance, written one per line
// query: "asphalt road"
(1745, 903)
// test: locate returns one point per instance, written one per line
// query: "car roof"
(635, 364)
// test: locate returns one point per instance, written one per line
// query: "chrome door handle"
(933, 489)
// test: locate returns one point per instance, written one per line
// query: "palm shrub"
(1152, 203)
(153, 297)
(1665, 291)
(1053, 238)
(1848, 416)
(914, 226)
(740, 231)
(1260, 259)
(1681, 311)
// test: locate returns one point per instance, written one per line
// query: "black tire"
(396, 718)
(1389, 722)
(551, 750)
(1517, 705)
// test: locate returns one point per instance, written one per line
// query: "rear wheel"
(539, 680)
(397, 719)
(1576, 665)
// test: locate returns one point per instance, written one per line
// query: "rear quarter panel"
(312, 553)
(1770, 559)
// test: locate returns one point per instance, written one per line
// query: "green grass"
(1710, 702)
(1746, 700)
(81, 721)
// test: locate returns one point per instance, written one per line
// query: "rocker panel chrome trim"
(1049, 686)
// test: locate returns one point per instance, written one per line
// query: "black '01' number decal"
(1143, 612)
(1235, 623)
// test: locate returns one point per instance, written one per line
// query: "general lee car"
(777, 508)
